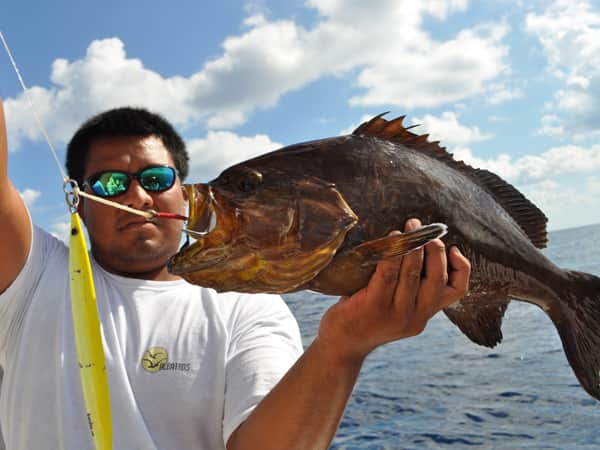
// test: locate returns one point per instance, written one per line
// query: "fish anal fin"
(371, 252)
(531, 220)
(479, 318)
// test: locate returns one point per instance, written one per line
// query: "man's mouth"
(137, 224)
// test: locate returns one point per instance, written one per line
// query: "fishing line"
(33, 108)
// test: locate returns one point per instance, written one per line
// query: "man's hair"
(124, 122)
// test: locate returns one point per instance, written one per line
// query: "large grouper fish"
(317, 216)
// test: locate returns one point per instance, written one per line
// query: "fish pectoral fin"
(398, 244)
(479, 317)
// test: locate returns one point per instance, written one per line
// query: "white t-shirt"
(185, 365)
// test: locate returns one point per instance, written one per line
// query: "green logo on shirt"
(157, 358)
(153, 358)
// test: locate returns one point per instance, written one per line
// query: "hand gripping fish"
(316, 216)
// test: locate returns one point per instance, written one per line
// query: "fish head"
(261, 230)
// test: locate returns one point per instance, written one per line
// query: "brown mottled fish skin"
(386, 174)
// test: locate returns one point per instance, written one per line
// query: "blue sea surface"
(439, 390)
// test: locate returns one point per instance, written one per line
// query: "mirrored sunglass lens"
(157, 179)
(109, 184)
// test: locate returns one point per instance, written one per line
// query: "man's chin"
(143, 254)
(132, 267)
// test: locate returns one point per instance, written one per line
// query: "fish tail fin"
(577, 319)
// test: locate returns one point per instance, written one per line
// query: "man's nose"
(138, 197)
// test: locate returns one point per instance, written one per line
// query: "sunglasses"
(110, 183)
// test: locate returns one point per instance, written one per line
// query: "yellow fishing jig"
(86, 326)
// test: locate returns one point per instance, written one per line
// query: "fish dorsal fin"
(531, 220)
(395, 131)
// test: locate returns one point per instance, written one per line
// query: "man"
(187, 368)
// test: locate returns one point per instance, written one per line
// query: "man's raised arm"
(15, 231)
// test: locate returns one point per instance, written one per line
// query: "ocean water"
(440, 391)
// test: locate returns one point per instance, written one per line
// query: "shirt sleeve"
(15, 300)
(265, 343)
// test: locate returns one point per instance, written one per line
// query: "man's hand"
(401, 297)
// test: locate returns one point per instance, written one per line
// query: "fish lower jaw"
(195, 259)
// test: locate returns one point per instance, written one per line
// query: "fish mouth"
(201, 208)
(211, 225)
(207, 225)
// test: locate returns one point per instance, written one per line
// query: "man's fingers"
(382, 284)
(410, 273)
(460, 271)
(436, 263)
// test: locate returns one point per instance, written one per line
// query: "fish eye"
(250, 181)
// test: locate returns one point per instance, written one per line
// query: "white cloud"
(566, 206)
(567, 29)
(551, 126)
(396, 61)
(499, 93)
(348, 130)
(593, 186)
(221, 149)
(564, 160)
(105, 78)
(256, 10)
(357, 10)
(61, 230)
(449, 131)
(429, 74)
(29, 196)
(569, 32)
(502, 165)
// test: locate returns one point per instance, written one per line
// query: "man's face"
(124, 243)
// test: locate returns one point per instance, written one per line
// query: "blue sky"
(508, 85)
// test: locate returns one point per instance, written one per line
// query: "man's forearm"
(3, 148)
(305, 408)
(14, 220)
